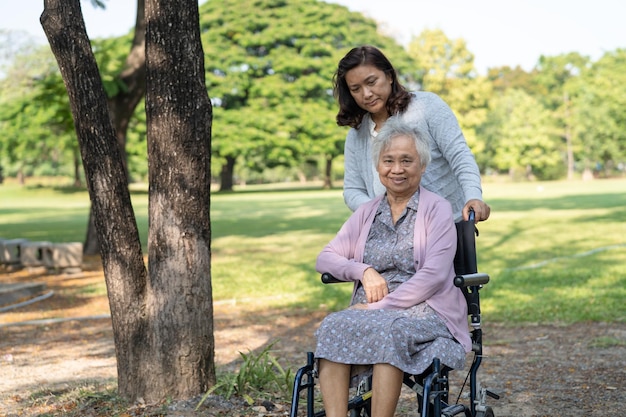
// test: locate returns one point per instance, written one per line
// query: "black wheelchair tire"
(487, 413)
(359, 412)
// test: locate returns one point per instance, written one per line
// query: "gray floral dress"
(408, 339)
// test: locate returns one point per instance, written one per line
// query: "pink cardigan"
(434, 249)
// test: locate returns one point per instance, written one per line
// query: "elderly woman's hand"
(374, 285)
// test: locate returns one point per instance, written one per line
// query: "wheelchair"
(431, 387)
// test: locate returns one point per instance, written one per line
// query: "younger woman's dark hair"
(350, 114)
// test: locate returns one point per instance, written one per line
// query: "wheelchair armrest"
(329, 279)
(467, 280)
(471, 280)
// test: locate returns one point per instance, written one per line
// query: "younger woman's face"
(370, 88)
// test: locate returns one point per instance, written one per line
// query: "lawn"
(555, 251)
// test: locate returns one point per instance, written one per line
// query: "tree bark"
(162, 323)
(568, 138)
(120, 247)
(122, 106)
(328, 173)
(77, 168)
(227, 174)
(178, 352)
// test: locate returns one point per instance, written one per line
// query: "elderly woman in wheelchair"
(406, 311)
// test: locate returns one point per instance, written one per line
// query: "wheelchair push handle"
(472, 216)
(471, 280)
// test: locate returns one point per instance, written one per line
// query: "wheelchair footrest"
(492, 395)
(453, 410)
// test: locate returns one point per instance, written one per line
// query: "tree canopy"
(269, 69)
(269, 74)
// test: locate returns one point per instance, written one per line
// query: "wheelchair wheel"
(364, 410)
(359, 412)
(487, 413)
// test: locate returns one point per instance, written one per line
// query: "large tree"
(272, 86)
(34, 107)
(553, 75)
(162, 320)
(597, 115)
(178, 116)
(520, 138)
(446, 67)
(131, 87)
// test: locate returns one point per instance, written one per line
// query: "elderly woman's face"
(399, 166)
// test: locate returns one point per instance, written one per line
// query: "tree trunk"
(568, 138)
(77, 168)
(120, 247)
(178, 352)
(122, 106)
(328, 173)
(227, 174)
(91, 245)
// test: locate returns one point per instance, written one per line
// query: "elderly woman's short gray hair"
(394, 127)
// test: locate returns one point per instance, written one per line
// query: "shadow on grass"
(570, 202)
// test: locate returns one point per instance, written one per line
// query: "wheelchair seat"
(431, 387)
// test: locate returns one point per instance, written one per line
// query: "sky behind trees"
(498, 33)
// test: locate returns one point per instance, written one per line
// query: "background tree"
(162, 322)
(598, 114)
(125, 93)
(273, 101)
(440, 60)
(33, 109)
(27, 126)
(271, 87)
(178, 351)
(446, 67)
(505, 77)
(520, 138)
(552, 77)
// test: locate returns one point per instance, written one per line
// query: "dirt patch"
(539, 370)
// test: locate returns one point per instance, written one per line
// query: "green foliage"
(259, 376)
(111, 55)
(80, 400)
(446, 67)
(604, 342)
(598, 114)
(440, 60)
(37, 127)
(520, 138)
(269, 68)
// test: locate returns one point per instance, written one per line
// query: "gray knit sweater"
(452, 172)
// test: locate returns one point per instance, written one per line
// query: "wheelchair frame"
(431, 387)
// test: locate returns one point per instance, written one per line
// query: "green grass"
(555, 251)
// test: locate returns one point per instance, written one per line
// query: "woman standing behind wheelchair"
(398, 249)
(368, 92)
